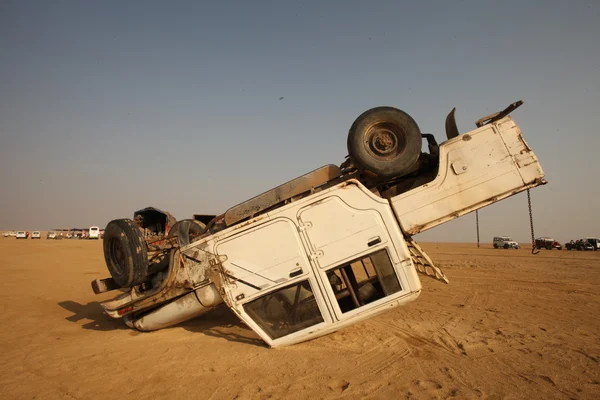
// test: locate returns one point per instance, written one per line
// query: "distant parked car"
(10, 234)
(547, 243)
(580, 245)
(94, 232)
(505, 242)
(21, 235)
(595, 242)
(36, 235)
(51, 235)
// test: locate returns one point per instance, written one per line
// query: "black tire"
(186, 229)
(506, 246)
(385, 141)
(495, 246)
(125, 253)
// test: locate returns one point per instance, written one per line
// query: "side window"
(363, 281)
(286, 310)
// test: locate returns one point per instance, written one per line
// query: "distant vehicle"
(10, 234)
(505, 242)
(547, 243)
(51, 235)
(580, 245)
(595, 242)
(94, 233)
(36, 235)
(21, 235)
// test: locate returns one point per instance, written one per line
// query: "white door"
(353, 255)
(269, 281)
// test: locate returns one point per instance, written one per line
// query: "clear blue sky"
(111, 106)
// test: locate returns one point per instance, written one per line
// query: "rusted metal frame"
(488, 119)
(350, 288)
(139, 301)
(281, 193)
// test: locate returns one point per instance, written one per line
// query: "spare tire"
(186, 229)
(385, 141)
(125, 252)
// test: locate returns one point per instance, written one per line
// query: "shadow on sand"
(224, 324)
(94, 312)
(220, 322)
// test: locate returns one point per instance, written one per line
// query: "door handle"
(374, 241)
(296, 272)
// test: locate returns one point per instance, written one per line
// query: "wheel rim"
(385, 140)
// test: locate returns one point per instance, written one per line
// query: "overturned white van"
(326, 249)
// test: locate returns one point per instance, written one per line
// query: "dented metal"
(281, 193)
(329, 248)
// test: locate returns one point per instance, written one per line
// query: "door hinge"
(314, 256)
(304, 226)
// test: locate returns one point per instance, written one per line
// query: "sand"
(509, 326)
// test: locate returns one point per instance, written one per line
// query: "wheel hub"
(384, 142)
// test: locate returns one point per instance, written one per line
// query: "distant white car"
(505, 242)
(94, 232)
(51, 235)
(21, 235)
(36, 235)
(10, 234)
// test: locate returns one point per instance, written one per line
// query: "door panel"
(337, 231)
(269, 283)
(263, 257)
(353, 255)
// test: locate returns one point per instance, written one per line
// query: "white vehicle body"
(10, 234)
(505, 242)
(94, 232)
(36, 235)
(21, 235)
(334, 256)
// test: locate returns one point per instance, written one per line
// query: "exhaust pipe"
(190, 306)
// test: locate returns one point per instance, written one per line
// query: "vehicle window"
(286, 310)
(364, 281)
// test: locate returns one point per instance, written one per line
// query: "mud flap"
(423, 263)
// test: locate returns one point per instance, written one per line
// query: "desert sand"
(509, 325)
